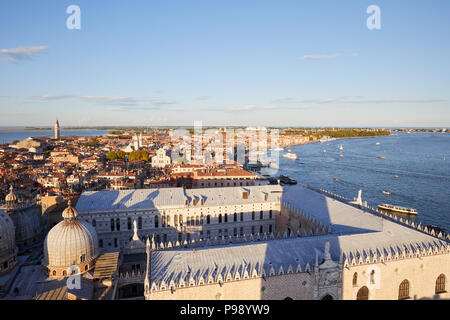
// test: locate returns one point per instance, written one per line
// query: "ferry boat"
(397, 209)
(323, 139)
(287, 180)
(291, 156)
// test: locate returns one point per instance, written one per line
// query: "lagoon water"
(8, 136)
(421, 160)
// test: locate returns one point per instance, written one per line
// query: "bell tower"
(57, 130)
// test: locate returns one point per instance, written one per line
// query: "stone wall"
(421, 272)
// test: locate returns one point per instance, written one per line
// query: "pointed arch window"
(403, 290)
(440, 284)
(363, 294)
(355, 279)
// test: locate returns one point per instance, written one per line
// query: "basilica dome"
(27, 219)
(72, 242)
(11, 197)
(8, 249)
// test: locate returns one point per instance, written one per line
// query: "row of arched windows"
(403, 289)
(115, 223)
(178, 220)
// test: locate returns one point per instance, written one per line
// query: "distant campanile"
(57, 130)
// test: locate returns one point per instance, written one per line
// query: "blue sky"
(233, 62)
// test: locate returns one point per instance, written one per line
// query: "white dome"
(70, 242)
(7, 238)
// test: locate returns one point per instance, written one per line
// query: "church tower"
(57, 130)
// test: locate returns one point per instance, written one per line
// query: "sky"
(233, 62)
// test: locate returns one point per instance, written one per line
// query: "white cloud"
(21, 53)
(319, 57)
(161, 102)
(249, 107)
(118, 101)
(48, 97)
(204, 98)
(355, 100)
(126, 101)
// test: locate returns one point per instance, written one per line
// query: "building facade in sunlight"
(266, 242)
(253, 242)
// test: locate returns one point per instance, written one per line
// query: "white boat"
(324, 151)
(386, 192)
(397, 209)
(378, 143)
(323, 139)
(291, 156)
(341, 148)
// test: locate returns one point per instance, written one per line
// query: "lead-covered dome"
(8, 249)
(71, 242)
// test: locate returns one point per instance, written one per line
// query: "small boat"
(341, 155)
(291, 156)
(324, 151)
(287, 180)
(397, 209)
(335, 179)
(377, 143)
(381, 157)
(386, 192)
(341, 148)
(396, 177)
